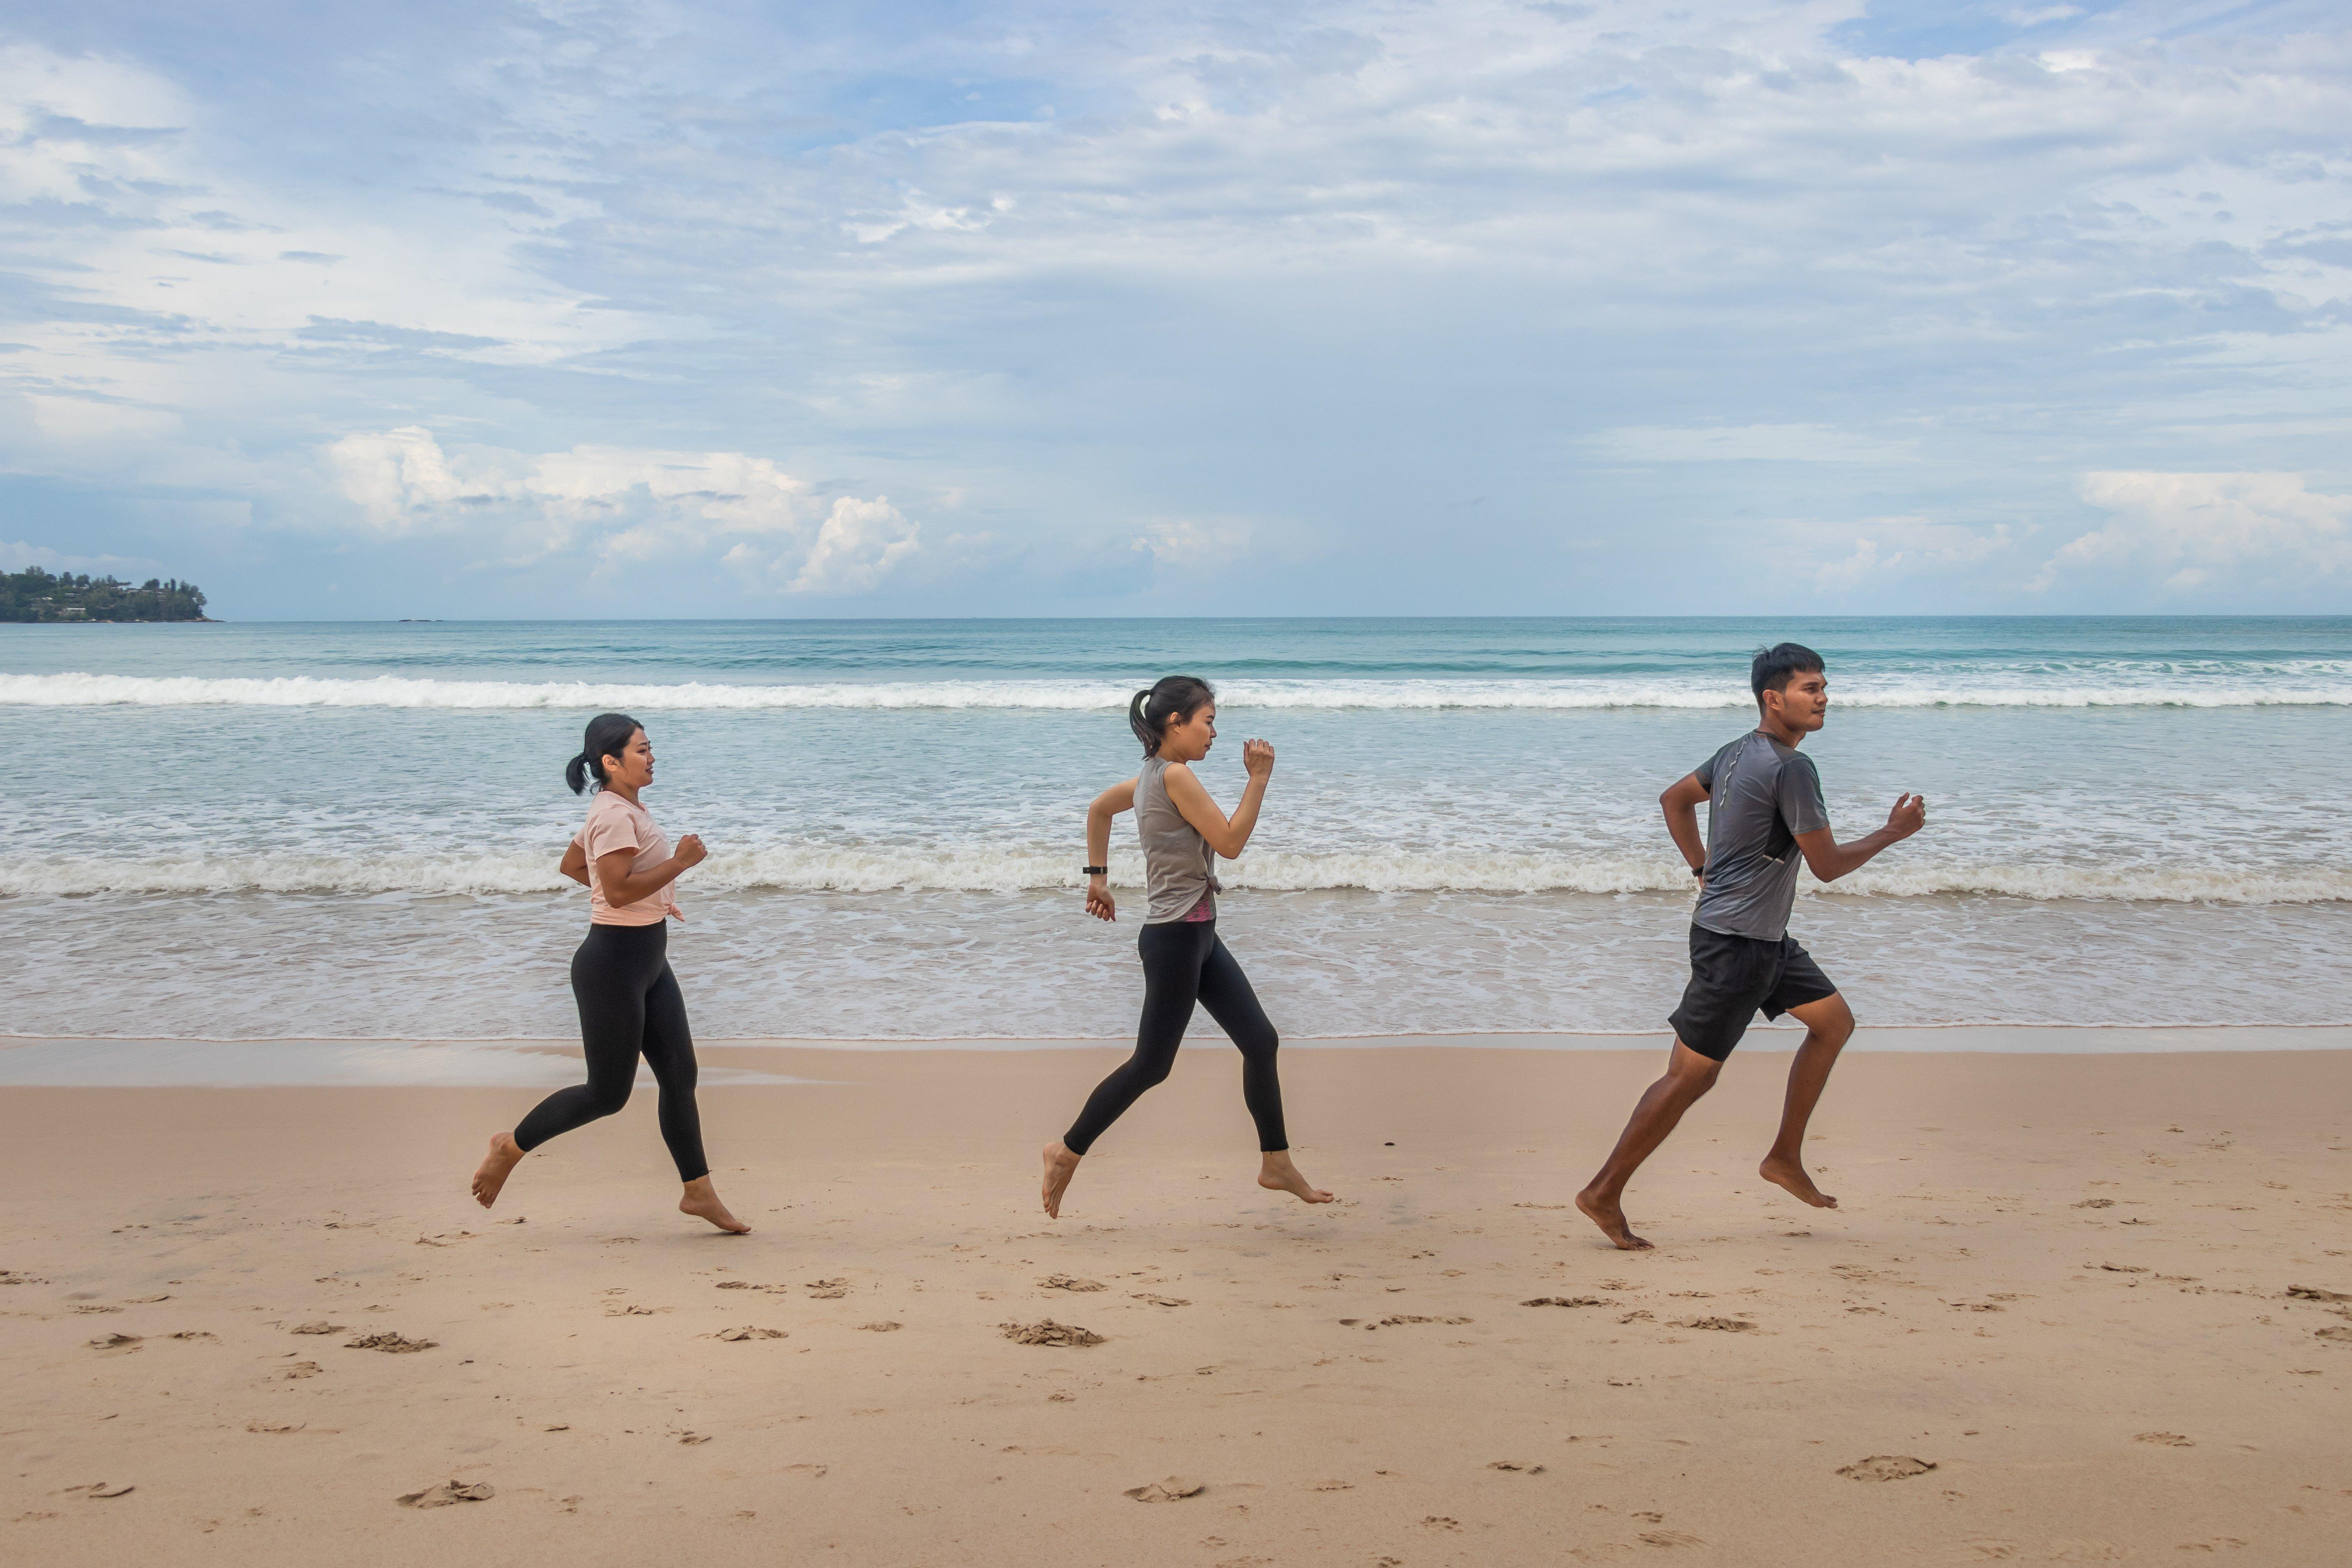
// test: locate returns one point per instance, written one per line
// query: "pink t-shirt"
(613, 824)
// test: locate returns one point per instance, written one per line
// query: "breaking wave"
(2302, 684)
(976, 870)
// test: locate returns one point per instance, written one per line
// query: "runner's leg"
(1688, 1076)
(1227, 996)
(1828, 1026)
(1172, 956)
(1226, 993)
(669, 1051)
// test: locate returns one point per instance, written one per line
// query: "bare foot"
(1277, 1174)
(701, 1201)
(1789, 1174)
(1607, 1213)
(504, 1156)
(1060, 1167)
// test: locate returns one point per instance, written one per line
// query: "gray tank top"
(1176, 858)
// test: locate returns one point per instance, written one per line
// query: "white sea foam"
(992, 869)
(2302, 684)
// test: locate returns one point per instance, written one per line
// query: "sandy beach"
(2105, 1315)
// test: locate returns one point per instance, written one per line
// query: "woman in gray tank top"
(1185, 961)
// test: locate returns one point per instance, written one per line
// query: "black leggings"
(629, 1003)
(1183, 962)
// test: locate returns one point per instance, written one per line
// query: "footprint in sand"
(1568, 1301)
(1160, 1300)
(448, 1492)
(828, 1290)
(390, 1345)
(118, 1344)
(1064, 1282)
(747, 1333)
(1887, 1468)
(1400, 1319)
(267, 1427)
(1722, 1325)
(1175, 1489)
(1046, 1332)
(103, 1490)
(1670, 1537)
(195, 1334)
(1519, 1465)
(2314, 1294)
(320, 1327)
(301, 1369)
(881, 1328)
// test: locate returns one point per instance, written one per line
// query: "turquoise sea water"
(266, 831)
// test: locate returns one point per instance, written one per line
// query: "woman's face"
(1189, 736)
(635, 766)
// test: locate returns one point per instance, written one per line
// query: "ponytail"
(1170, 697)
(608, 736)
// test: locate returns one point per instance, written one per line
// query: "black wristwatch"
(1095, 871)
(1698, 870)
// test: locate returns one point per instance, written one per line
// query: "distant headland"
(34, 595)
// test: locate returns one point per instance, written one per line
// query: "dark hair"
(608, 736)
(1774, 664)
(1170, 697)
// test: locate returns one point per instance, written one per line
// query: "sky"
(595, 311)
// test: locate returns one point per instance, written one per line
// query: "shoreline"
(108, 1061)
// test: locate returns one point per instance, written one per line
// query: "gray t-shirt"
(1761, 795)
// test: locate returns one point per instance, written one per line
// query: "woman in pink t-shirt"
(630, 1004)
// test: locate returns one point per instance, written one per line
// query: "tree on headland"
(34, 595)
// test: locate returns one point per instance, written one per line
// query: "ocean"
(350, 831)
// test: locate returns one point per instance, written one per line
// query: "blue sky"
(597, 310)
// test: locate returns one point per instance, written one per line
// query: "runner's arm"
(1830, 860)
(1227, 837)
(1680, 803)
(576, 863)
(1119, 797)
(623, 887)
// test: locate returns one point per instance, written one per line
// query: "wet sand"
(2108, 1305)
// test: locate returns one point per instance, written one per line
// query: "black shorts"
(1732, 977)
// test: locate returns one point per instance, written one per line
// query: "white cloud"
(861, 542)
(1747, 444)
(624, 507)
(1187, 543)
(1906, 546)
(2193, 532)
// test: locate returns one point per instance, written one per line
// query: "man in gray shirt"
(1766, 808)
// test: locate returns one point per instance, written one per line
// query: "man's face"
(1803, 704)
